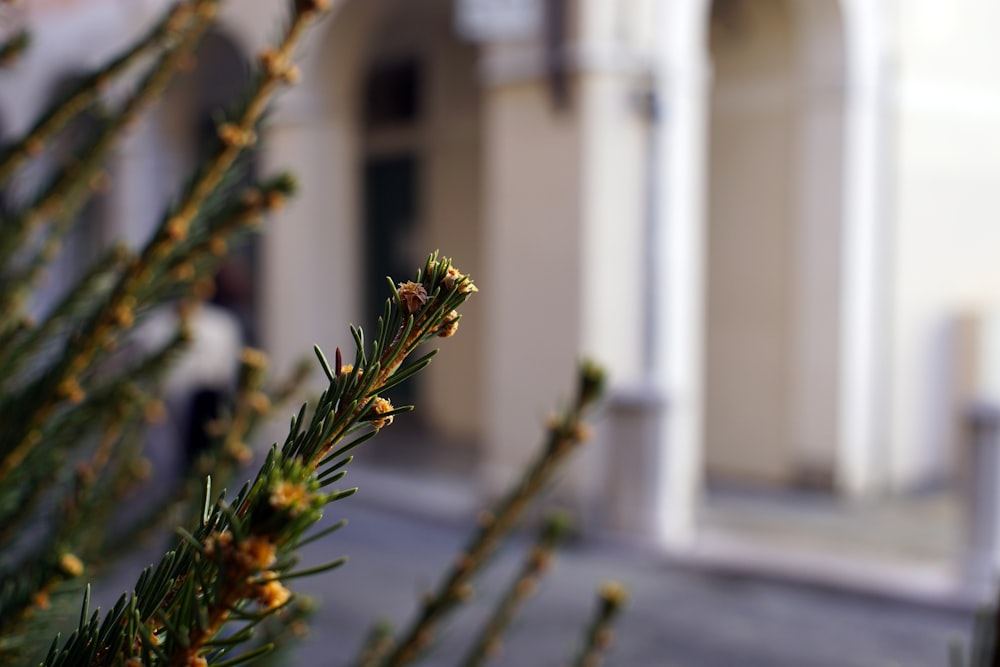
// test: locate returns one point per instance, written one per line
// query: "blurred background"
(774, 221)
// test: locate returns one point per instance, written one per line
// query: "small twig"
(538, 561)
(185, 34)
(599, 636)
(88, 90)
(12, 48)
(377, 645)
(564, 435)
(108, 321)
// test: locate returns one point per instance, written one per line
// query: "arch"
(682, 71)
(197, 100)
(192, 108)
(773, 228)
(434, 157)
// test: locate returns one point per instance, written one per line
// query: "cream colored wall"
(311, 262)
(750, 261)
(818, 135)
(946, 113)
(566, 205)
(446, 141)
(614, 296)
(530, 288)
(326, 133)
(452, 191)
(609, 51)
(774, 234)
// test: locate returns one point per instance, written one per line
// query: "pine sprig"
(64, 195)
(77, 393)
(11, 49)
(117, 313)
(62, 382)
(80, 300)
(232, 568)
(87, 91)
(565, 433)
(611, 599)
(539, 559)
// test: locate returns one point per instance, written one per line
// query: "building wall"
(321, 122)
(750, 272)
(530, 200)
(774, 233)
(946, 159)
(566, 187)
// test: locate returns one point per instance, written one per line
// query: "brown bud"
(34, 147)
(412, 296)
(311, 7)
(203, 289)
(71, 565)
(526, 587)
(259, 402)
(274, 201)
(217, 246)
(183, 272)
(70, 390)
(187, 62)
(155, 412)
(292, 74)
(253, 357)
(207, 10)
(176, 229)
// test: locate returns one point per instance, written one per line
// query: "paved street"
(678, 616)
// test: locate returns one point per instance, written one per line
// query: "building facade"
(767, 219)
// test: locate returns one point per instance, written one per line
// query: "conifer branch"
(86, 91)
(24, 275)
(200, 254)
(64, 194)
(14, 354)
(118, 313)
(77, 513)
(565, 434)
(77, 396)
(226, 452)
(539, 559)
(61, 433)
(233, 566)
(377, 645)
(599, 635)
(10, 50)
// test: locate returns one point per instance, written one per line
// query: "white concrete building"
(764, 217)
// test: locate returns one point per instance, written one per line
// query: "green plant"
(75, 398)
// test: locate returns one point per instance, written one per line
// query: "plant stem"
(597, 640)
(89, 90)
(538, 560)
(564, 435)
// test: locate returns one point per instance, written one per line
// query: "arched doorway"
(680, 310)
(773, 246)
(403, 118)
(193, 107)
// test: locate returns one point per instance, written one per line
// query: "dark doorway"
(391, 210)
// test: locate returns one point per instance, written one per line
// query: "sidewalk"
(908, 548)
(903, 548)
(678, 616)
